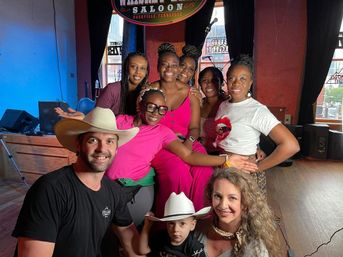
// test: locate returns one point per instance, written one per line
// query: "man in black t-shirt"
(67, 212)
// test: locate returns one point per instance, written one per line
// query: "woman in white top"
(241, 119)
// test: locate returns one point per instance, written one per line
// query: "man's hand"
(70, 114)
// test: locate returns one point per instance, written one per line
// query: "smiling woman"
(249, 118)
(121, 96)
(211, 81)
(242, 223)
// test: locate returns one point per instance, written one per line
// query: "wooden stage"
(307, 196)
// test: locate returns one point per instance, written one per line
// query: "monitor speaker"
(315, 140)
(18, 121)
(297, 131)
(47, 115)
(266, 144)
(335, 149)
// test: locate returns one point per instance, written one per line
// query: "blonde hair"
(257, 221)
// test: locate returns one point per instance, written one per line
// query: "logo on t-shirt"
(106, 212)
(197, 252)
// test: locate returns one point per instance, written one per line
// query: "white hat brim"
(68, 130)
(202, 212)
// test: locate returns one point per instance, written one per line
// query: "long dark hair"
(125, 96)
(218, 76)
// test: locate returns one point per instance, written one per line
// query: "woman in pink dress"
(183, 117)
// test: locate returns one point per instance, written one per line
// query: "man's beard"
(96, 168)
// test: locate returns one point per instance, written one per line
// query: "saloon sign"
(156, 12)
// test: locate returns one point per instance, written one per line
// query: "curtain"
(323, 24)
(196, 25)
(133, 39)
(239, 27)
(99, 19)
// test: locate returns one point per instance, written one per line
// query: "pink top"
(178, 120)
(133, 158)
(110, 97)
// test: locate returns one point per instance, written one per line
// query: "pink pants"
(174, 175)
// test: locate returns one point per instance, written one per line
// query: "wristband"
(227, 163)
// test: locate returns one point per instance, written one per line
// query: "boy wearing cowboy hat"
(178, 240)
(67, 212)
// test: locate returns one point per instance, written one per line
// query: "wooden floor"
(12, 194)
(307, 196)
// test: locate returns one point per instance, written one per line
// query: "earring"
(249, 94)
(229, 97)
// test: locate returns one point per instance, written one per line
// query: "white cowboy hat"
(178, 207)
(98, 120)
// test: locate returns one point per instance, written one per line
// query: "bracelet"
(227, 163)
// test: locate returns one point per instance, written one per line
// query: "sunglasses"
(150, 107)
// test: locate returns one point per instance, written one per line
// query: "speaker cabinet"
(315, 141)
(47, 115)
(266, 144)
(18, 121)
(335, 150)
(297, 131)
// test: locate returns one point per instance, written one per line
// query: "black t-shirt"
(161, 246)
(59, 208)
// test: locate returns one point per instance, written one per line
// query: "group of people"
(144, 144)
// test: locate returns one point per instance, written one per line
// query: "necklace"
(225, 234)
(228, 235)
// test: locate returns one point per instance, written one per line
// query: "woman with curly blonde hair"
(242, 223)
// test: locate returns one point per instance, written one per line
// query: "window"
(329, 101)
(215, 50)
(111, 63)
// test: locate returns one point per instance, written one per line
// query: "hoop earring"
(229, 97)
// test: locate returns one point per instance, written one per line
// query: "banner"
(156, 12)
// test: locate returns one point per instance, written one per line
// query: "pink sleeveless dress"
(172, 173)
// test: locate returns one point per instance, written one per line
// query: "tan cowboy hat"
(98, 120)
(178, 207)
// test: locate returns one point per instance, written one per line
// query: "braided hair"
(149, 91)
(190, 51)
(164, 49)
(243, 60)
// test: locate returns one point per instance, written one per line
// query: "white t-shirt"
(248, 119)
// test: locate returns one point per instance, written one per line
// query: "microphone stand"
(10, 156)
(210, 58)
(207, 30)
